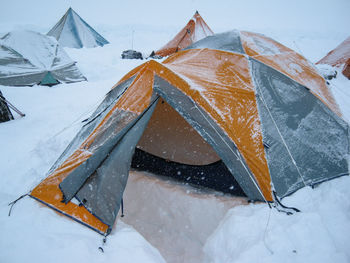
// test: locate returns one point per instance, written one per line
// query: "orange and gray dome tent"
(339, 57)
(195, 30)
(238, 98)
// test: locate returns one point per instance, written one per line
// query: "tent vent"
(49, 80)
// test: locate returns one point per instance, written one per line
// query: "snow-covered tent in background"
(5, 113)
(196, 29)
(339, 57)
(28, 58)
(72, 31)
(238, 101)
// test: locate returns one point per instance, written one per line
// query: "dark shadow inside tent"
(170, 147)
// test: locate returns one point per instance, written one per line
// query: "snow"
(340, 87)
(218, 228)
(318, 234)
(35, 233)
(178, 234)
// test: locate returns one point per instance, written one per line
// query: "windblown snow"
(164, 221)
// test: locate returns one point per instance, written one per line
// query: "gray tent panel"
(11, 58)
(66, 26)
(110, 100)
(57, 29)
(228, 41)
(100, 41)
(92, 122)
(306, 143)
(101, 194)
(72, 31)
(23, 80)
(211, 133)
(68, 74)
(118, 125)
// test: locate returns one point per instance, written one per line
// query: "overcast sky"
(317, 15)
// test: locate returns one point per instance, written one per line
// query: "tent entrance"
(171, 147)
(49, 80)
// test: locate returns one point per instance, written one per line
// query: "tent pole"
(12, 106)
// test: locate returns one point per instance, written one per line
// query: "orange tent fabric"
(339, 57)
(346, 69)
(261, 106)
(196, 29)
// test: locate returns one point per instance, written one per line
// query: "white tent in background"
(73, 31)
(28, 58)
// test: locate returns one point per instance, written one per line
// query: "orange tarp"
(346, 70)
(339, 57)
(195, 30)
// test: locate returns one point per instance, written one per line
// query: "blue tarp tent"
(73, 31)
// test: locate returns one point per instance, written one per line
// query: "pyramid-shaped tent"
(238, 100)
(28, 58)
(339, 57)
(72, 31)
(195, 30)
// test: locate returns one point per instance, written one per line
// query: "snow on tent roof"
(339, 57)
(26, 57)
(196, 29)
(261, 108)
(72, 31)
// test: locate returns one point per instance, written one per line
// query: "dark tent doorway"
(171, 147)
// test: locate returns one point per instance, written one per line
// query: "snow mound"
(319, 233)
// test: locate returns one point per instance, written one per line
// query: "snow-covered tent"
(196, 29)
(240, 102)
(5, 113)
(339, 57)
(72, 31)
(28, 58)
